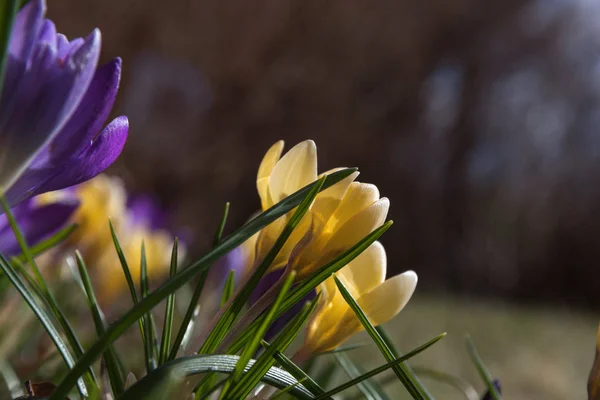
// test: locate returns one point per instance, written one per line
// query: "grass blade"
(221, 228)
(228, 288)
(158, 383)
(46, 321)
(128, 278)
(123, 262)
(45, 295)
(266, 360)
(296, 372)
(369, 390)
(13, 384)
(113, 364)
(402, 373)
(219, 331)
(48, 243)
(381, 368)
(186, 322)
(482, 370)
(454, 381)
(184, 276)
(259, 334)
(165, 341)
(147, 320)
(283, 392)
(396, 353)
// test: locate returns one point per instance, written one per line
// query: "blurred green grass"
(540, 353)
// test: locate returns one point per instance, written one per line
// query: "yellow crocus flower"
(333, 322)
(102, 198)
(338, 218)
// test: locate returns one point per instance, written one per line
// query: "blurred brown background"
(479, 120)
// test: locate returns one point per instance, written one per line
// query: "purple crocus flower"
(145, 211)
(37, 222)
(53, 106)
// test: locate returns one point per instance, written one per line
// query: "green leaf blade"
(403, 374)
(165, 341)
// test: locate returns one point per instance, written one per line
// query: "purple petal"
(20, 131)
(70, 48)
(234, 261)
(25, 29)
(282, 321)
(36, 223)
(90, 115)
(48, 34)
(265, 283)
(48, 97)
(145, 211)
(100, 155)
(62, 45)
(43, 177)
(82, 64)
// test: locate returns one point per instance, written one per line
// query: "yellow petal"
(388, 299)
(355, 229)
(365, 272)
(264, 171)
(296, 169)
(358, 197)
(329, 199)
(298, 240)
(249, 251)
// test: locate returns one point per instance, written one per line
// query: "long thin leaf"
(186, 323)
(381, 368)
(113, 364)
(407, 380)
(266, 360)
(296, 372)
(129, 279)
(13, 384)
(48, 243)
(285, 391)
(160, 382)
(221, 228)
(254, 344)
(228, 288)
(396, 353)
(165, 341)
(219, 331)
(308, 285)
(481, 368)
(184, 276)
(369, 390)
(46, 296)
(45, 319)
(454, 381)
(147, 319)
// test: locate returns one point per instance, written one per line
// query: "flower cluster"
(339, 217)
(135, 221)
(54, 103)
